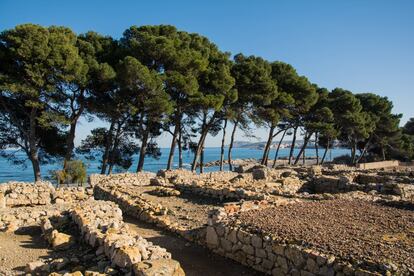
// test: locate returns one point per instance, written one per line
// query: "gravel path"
(348, 229)
(195, 260)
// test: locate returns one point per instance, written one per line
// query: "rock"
(60, 263)
(76, 273)
(127, 256)
(36, 266)
(12, 226)
(61, 241)
(161, 267)
(257, 241)
(211, 237)
(260, 173)
(2, 200)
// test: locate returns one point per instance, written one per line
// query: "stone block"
(161, 267)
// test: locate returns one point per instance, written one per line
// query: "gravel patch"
(349, 229)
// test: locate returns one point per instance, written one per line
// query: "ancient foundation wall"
(381, 184)
(263, 253)
(378, 165)
(102, 227)
(17, 194)
(255, 185)
(140, 178)
(144, 210)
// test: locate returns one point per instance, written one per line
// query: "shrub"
(75, 172)
(342, 159)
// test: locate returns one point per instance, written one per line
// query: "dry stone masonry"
(279, 253)
(17, 194)
(102, 227)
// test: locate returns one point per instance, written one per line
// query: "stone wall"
(121, 178)
(378, 165)
(11, 219)
(144, 210)
(263, 253)
(17, 194)
(366, 182)
(26, 194)
(254, 185)
(102, 227)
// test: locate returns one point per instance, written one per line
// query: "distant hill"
(261, 145)
(285, 144)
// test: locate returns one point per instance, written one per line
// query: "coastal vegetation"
(157, 79)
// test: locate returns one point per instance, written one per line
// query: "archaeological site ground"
(298, 220)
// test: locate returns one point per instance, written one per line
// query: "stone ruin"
(17, 194)
(230, 237)
(250, 187)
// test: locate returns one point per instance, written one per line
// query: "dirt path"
(16, 250)
(195, 260)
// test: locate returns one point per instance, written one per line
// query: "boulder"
(212, 237)
(127, 256)
(61, 241)
(36, 267)
(260, 173)
(160, 267)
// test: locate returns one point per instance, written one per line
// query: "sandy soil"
(354, 229)
(18, 249)
(187, 210)
(195, 260)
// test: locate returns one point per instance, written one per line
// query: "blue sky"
(362, 46)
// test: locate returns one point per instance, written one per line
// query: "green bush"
(75, 172)
(342, 159)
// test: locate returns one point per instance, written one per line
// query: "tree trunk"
(111, 156)
(317, 148)
(202, 160)
(364, 150)
(324, 154)
(105, 156)
(222, 146)
(200, 146)
(111, 166)
(278, 147)
(231, 144)
(267, 147)
(304, 156)
(173, 144)
(70, 145)
(143, 151)
(180, 149)
(302, 150)
(292, 147)
(353, 153)
(34, 157)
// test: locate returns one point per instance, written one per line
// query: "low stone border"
(18, 194)
(144, 210)
(263, 253)
(11, 219)
(102, 227)
(121, 178)
(381, 184)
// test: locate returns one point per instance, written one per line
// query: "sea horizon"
(11, 172)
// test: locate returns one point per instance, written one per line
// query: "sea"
(24, 172)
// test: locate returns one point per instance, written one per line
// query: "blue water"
(10, 172)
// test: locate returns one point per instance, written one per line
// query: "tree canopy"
(157, 79)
